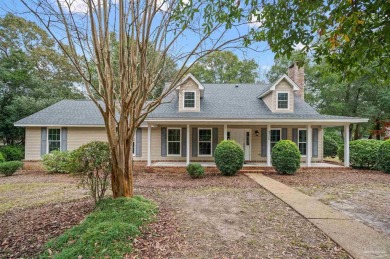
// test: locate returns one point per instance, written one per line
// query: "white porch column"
(268, 145)
(188, 144)
(309, 145)
(149, 163)
(225, 132)
(346, 145)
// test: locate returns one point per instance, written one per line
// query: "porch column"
(188, 144)
(268, 145)
(225, 132)
(149, 163)
(309, 145)
(346, 145)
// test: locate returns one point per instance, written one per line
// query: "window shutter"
(64, 139)
(43, 141)
(163, 142)
(315, 142)
(184, 142)
(194, 142)
(215, 139)
(263, 142)
(284, 133)
(295, 136)
(138, 143)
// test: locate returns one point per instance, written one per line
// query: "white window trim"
(211, 142)
(47, 138)
(280, 133)
(288, 100)
(302, 142)
(173, 141)
(189, 108)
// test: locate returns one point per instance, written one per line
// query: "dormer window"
(189, 99)
(282, 100)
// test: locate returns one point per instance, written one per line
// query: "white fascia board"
(68, 126)
(264, 121)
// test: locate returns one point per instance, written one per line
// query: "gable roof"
(190, 76)
(273, 86)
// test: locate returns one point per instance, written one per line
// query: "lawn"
(361, 194)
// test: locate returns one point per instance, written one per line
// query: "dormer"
(189, 91)
(280, 96)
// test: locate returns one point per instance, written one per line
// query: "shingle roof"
(220, 101)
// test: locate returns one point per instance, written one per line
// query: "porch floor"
(249, 164)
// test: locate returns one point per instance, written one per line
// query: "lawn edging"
(107, 232)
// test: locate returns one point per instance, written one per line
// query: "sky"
(264, 59)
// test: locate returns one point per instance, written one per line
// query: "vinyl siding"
(80, 136)
(33, 144)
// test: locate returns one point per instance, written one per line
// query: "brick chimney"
(297, 74)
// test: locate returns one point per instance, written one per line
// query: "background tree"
(225, 67)
(149, 32)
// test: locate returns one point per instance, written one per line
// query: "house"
(194, 119)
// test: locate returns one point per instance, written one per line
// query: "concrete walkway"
(356, 238)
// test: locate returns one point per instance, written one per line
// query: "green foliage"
(384, 156)
(229, 157)
(58, 162)
(330, 146)
(12, 153)
(364, 152)
(93, 163)
(225, 67)
(195, 170)
(107, 232)
(10, 167)
(340, 152)
(2, 159)
(286, 157)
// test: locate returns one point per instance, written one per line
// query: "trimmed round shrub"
(340, 152)
(330, 146)
(12, 153)
(229, 157)
(384, 156)
(10, 167)
(364, 152)
(286, 157)
(195, 170)
(58, 162)
(2, 160)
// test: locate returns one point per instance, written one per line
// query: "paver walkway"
(356, 238)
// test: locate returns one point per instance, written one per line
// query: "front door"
(243, 138)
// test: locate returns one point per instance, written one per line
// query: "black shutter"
(215, 139)
(295, 136)
(315, 142)
(184, 142)
(138, 143)
(263, 142)
(163, 142)
(284, 133)
(194, 142)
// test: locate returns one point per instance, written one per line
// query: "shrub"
(330, 147)
(58, 162)
(12, 153)
(286, 157)
(10, 167)
(94, 166)
(384, 156)
(364, 152)
(229, 157)
(340, 152)
(2, 160)
(195, 170)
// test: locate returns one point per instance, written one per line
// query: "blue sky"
(264, 59)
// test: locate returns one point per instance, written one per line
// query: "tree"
(225, 67)
(343, 32)
(33, 74)
(148, 33)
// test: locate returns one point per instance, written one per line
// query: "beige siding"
(80, 136)
(189, 85)
(271, 99)
(33, 144)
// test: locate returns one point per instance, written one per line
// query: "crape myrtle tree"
(149, 32)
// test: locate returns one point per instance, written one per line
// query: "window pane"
(282, 100)
(54, 134)
(204, 148)
(189, 95)
(204, 135)
(173, 134)
(174, 148)
(189, 99)
(282, 96)
(302, 148)
(189, 103)
(302, 136)
(54, 145)
(275, 135)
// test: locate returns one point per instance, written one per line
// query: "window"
(282, 100)
(302, 141)
(54, 139)
(275, 137)
(133, 146)
(174, 143)
(189, 99)
(205, 137)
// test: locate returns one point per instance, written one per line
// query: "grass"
(107, 232)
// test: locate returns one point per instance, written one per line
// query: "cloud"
(164, 5)
(299, 46)
(78, 6)
(256, 20)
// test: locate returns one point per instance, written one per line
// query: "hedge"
(229, 157)
(195, 170)
(286, 157)
(383, 157)
(10, 167)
